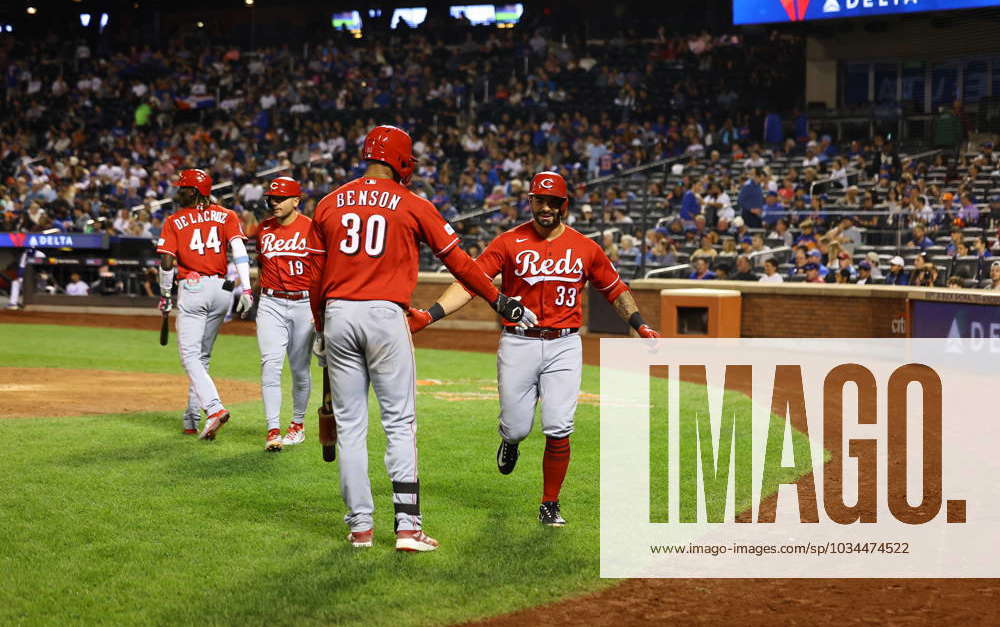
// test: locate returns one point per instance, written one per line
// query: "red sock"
(554, 465)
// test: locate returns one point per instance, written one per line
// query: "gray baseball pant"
(368, 342)
(201, 306)
(284, 327)
(532, 370)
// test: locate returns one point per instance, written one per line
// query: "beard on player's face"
(547, 210)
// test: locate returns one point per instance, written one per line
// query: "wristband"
(635, 321)
(436, 311)
(166, 281)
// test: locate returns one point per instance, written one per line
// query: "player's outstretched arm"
(629, 312)
(465, 269)
(451, 300)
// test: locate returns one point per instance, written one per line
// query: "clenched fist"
(418, 319)
(647, 332)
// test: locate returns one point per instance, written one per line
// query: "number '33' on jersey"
(549, 276)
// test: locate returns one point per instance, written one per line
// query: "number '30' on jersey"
(369, 230)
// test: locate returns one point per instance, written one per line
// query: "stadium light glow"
(201, 24)
(32, 10)
(85, 20)
(413, 17)
(104, 21)
(249, 3)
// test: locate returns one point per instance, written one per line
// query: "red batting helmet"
(284, 187)
(198, 179)
(549, 184)
(393, 147)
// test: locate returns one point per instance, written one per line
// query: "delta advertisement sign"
(766, 11)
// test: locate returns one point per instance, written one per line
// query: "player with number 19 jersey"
(549, 276)
(199, 239)
(283, 254)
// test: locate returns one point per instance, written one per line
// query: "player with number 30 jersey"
(367, 234)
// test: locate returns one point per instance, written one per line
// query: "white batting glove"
(245, 305)
(529, 319)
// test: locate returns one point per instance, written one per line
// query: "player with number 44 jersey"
(193, 246)
(546, 264)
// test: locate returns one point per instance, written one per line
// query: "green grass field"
(120, 519)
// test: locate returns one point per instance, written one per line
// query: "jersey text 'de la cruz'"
(199, 238)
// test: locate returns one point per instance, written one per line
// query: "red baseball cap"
(549, 184)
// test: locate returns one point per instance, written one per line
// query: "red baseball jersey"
(549, 276)
(198, 239)
(283, 254)
(369, 230)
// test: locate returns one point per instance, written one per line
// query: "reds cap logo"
(546, 183)
(274, 185)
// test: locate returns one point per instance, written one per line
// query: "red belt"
(543, 333)
(301, 295)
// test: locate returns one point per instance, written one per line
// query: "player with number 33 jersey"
(546, 264)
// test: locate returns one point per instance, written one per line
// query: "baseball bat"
(164, 329)
(327, 422)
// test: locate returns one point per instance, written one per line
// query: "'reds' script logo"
(272, 246)
(566, 269)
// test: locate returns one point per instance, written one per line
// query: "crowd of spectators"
(722, 215)
(91, 139)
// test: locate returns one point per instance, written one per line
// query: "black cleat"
(548, 514)
(506, 457)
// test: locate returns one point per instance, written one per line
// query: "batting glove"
(319, 345)
(418, 319)
(245, 305)
(647, 332)
(166, 305)
(529, 319)
(511, 309)
(319, 349)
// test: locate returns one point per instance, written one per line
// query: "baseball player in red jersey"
(366, 236)
(196, 237)
(284, 318)
(546, 264)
